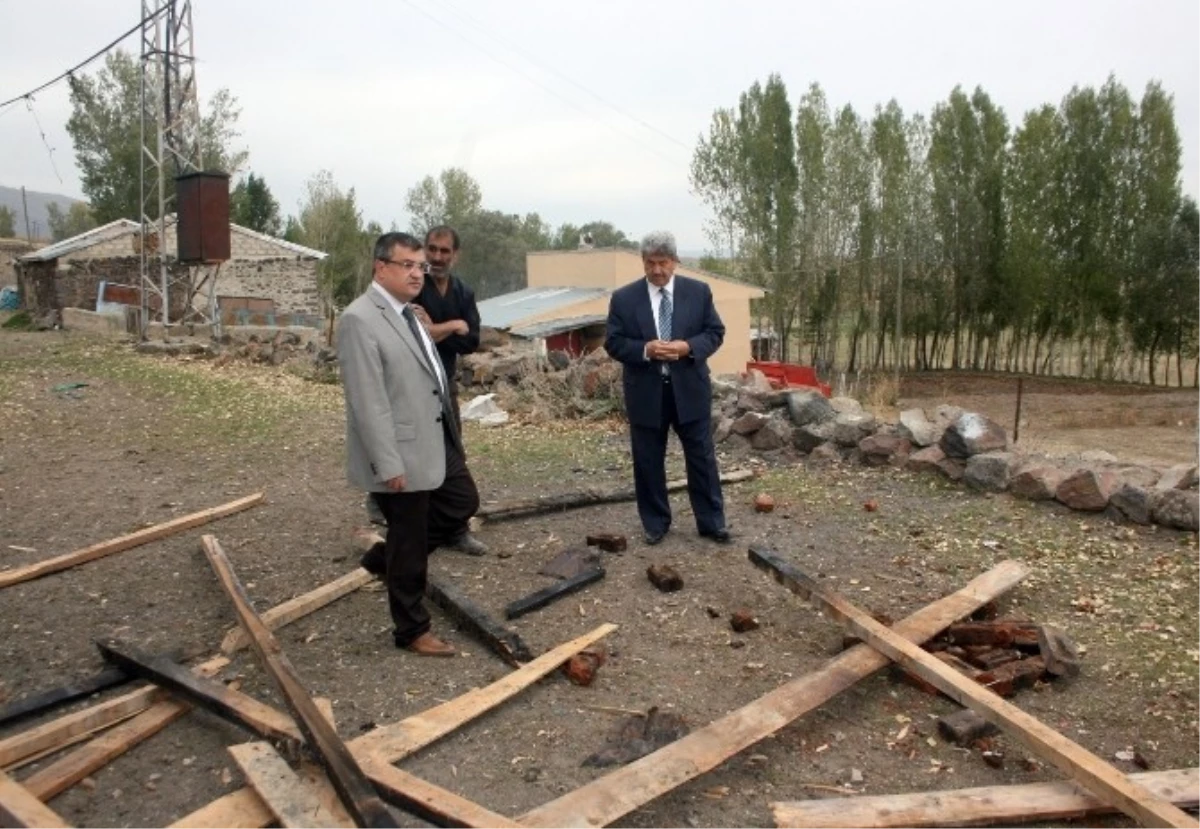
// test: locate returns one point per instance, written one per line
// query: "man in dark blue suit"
(663, 329)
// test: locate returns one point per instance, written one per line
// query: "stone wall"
(10, 249)
(289, 281)
(76, 283)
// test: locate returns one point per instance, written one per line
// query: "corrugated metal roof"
(104, 233)
(548, 328)
(506, 310)
(126, 227)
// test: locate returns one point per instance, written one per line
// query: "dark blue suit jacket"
(631, 325)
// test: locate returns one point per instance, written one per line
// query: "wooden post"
(299, 607)
(125, 542)
(1075, 761)
(348, 779)
(18, 807)
(505, 643)
(552, 593)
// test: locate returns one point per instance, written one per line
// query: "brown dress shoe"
(429, 645)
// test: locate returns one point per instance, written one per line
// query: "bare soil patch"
(148, 439)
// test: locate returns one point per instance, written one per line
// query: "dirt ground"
(146, 440)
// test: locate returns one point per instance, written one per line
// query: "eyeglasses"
(408, 265)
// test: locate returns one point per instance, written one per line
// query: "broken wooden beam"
(19, 807)
(299, 607)
(125, 542)
(979, 806)
(429, 802)
(353, 787)
(392, 743)
(1000, 633)
(608, 542)
(1074, 760)
(40, 702)
(505, 510)
(240, 709)
(505, 643)
(629, 788)
(550, 594)
(292, 800)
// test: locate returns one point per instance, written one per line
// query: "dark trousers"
(649, 445)
(417, 523)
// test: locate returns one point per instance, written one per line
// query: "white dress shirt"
(426, 340)
(655, 301)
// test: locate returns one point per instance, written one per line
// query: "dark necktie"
(447, 416)
(664, 316)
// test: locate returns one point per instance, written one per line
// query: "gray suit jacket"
(393, 403)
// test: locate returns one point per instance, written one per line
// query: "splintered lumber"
(432, 803)
(979, 806)
(292, 800)
(97, 753)
(552, 593)
(241, 709)
(37, 703)
(628, 788)
(18, 807)
(504, 510)
(505, 643)
(65, 730)
(299, 607)
(1075, 761)
(392, 743)
(125, 542)
(353, 787)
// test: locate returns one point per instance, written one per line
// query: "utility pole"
(25, 210)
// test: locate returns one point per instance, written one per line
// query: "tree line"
(1063, 246)
(105, 131)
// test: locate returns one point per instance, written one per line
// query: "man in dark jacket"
(663, 329)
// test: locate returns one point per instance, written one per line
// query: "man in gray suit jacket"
(402, 443)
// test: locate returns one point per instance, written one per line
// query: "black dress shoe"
(655, 538)
(720, 535)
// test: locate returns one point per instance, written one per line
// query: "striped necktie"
(664, 315)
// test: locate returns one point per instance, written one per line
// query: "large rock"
(846, 405)
(989, 471)
(722, 430)
(1143, 476)
(1036, 481)
(826, 453)
(1133, 502)
(809, 437)
(776, 433)
(849, 428)
(1087, 489)
(749, 423)
(945, 414)
(1177, 508)
(757, 383)
(973, 434)
(477, 408)
(925, 460)
(807, 407)
(917, 428)
(749, 402)
(1180, 476)
(882, 449)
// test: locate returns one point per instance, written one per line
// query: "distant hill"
(39, 223)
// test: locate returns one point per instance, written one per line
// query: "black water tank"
(203, 216)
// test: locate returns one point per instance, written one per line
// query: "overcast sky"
(578, 111)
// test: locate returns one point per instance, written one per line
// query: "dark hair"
(385, 243)
(442, 230)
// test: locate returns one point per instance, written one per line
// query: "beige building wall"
(612, 268)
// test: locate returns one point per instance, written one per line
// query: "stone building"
(265, 280)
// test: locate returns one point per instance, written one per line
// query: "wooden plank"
(292, 800)
(39, 702)
(980, 806)
(18, 807)
(240, 709)
(66, 743)
(430, 802)
(64, 730)
(299, 607)
(552, 593)
(505, 510)
(65, 773)
(315, 777)
(392, 743)
(628, 788)
(125, 542)
(351, 784)
(1072, 759)
(504, 642)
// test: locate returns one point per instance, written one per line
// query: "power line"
(84, 63)
(533, 80)
(641, 122)
(42, 132)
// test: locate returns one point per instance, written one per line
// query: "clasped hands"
(667, 351)
(456, 326)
